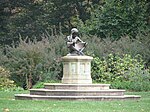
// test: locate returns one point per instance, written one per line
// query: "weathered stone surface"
(77, 70)
(79, 98)
(47, 92)
(59, 86)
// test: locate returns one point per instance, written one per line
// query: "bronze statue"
(75, 44)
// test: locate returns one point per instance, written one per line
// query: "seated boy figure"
(75, 44)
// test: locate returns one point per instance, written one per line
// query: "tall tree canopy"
(101, 17)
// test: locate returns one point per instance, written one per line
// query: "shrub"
(139, 81)
(122, 72)
(41, 84)
(5, 82)
(121, 85)
(115, 67)
(125, 45)
(32, 61)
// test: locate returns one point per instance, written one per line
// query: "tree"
(8, 11)
(118, 18)
(24, 17)
(35, 17)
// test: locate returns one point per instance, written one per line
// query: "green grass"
(7, 103)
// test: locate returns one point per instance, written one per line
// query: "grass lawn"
(8, 104)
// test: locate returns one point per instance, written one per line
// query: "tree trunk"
(30, 81)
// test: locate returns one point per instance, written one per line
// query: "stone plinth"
(77, 70)
(76, 85)
(59, 86)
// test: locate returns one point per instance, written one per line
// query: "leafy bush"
(121, 85)
(139, 81)
(5, 82)
(122, 72)
(125, 45)
(32, 61)
(12, 89)
(115, 67)
(41, 84)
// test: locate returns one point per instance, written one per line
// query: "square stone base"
(77, 70)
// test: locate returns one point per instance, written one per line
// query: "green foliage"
(118, 18)
(123, 72)
(125, 45)
(41, 84)
(25, 17)
(115, 67)
(15, 88)
(105, 18)
(5, 82)
(33, 61)
(35, 17)
(121, 85)
(139, 81)
(30, 61)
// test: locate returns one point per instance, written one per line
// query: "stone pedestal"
(76, 85)
(77, 70)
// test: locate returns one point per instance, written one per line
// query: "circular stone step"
(59, 86)
(47, 92)
(80, 98)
